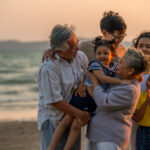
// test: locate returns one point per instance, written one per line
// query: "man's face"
(103, 54)
(71, 53)
(116, 37)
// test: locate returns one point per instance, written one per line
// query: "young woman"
(142, 42)
(143, 107)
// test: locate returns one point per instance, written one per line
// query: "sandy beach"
(19, 135)
(18, 126)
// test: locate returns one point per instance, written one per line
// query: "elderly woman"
(110, 128)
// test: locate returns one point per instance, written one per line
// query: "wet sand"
(18, 126)
(19, 135)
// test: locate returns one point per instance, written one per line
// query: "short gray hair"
(136, 60)
(58, 37)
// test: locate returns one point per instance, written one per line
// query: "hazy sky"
(32, 20)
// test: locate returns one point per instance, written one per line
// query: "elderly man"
(57, 80)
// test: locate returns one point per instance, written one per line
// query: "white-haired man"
(57, 80)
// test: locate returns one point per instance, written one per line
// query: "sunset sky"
(32, 20)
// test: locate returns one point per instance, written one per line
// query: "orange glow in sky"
(32, 20)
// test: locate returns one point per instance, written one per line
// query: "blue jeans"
(143, 138)
(46, 134)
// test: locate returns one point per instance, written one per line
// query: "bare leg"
(73, 134)
(60, 129)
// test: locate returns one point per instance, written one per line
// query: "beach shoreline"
(23, 135)
(18, 126)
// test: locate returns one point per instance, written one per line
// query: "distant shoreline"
(36, 45)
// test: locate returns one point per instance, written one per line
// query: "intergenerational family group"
(110, 95)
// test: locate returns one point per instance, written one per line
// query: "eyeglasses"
(118, 37)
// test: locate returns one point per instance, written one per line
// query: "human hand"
(133, 117)
(140, 78)
(125, 81)
(81, 90)
(48, 53)
(84, 118)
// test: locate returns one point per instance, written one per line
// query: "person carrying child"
(104, 70)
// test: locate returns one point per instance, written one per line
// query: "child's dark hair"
(142, 35)
(112, 21)
(99, 42)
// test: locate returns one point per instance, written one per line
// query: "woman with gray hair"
(110, 128)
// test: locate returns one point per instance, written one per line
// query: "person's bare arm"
(107, 79)
(139, 113)
(69, 109)
(48, 54)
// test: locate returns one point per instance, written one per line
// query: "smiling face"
(71, 52)
(123, 70)
(116, 36)
(144, 45)
(103, 54)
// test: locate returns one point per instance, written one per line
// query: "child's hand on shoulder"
(125, 81)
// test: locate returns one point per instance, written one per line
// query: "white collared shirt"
(56, 81)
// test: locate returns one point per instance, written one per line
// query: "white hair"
(137, 60)
(58, 37)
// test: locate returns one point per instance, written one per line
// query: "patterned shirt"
(56, 81)
(96, 65)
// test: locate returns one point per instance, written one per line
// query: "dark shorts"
(143, 138)
(84, 103)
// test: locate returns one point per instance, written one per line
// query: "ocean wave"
(4, 71)
(17, 81)
(10, 92)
